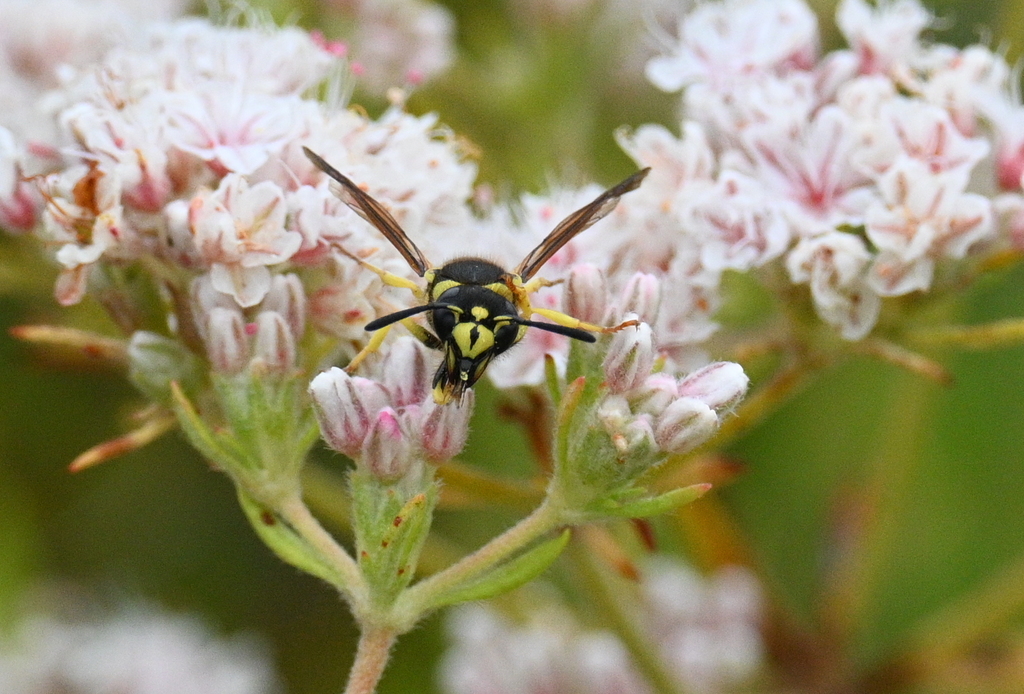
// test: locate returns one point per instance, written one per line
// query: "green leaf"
(277, 534)
(213, 447)
(509, 575)
(655, 506)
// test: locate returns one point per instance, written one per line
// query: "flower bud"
(445, 428)
(226, 343)
(287, 296)
(587, 296)
(386, 452)
(346, 407)
(684, 425)
(720, 386)
(405, 372)
(275, 345)
(630, 358)
(642, 296)
(655, 393)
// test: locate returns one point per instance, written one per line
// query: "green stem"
(856, 577)
(419, 598)
(614, 604)
(298, 516)
(372, 656)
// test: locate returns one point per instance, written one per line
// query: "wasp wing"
(579, 220)
(374, 213)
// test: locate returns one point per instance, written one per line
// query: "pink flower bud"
(346, 407)
(684, 425)
(387, 451)
(720, 386)
(226, 343)
(405, 372)
(275, 345)
(655, 393)
(587, 296)
(630, 358)
(287, 296)
(445, 428)
(642, 296)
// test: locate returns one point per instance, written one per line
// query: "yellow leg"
(539, 283)
(417, 330)
(372, 346)
(570, 322)
(390, 279)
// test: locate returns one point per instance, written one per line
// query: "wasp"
(476, 308)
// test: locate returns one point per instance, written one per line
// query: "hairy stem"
(420, 597)
(372, 656)
(298, 516)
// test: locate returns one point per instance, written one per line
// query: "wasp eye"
(444, 322)
(505, 336)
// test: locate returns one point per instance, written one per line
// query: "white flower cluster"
(706, 631)
(138, 652)
(863, 173)
(182, 148)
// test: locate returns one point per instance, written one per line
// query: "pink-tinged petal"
(346, 407)
(248, 285)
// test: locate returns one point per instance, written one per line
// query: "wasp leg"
(389, 278)
(372, 346)
(417, 330)
(539, 283)
(570, 322)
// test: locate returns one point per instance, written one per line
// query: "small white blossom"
(138, 652)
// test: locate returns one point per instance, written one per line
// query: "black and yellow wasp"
(476, 308)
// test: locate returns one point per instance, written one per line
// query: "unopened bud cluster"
(389, 424)
(675, 414)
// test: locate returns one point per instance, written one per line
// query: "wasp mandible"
(476, 308)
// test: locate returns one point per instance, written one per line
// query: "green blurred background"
(537, 100)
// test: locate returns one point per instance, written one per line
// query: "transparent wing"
(374, 213)
(579, 220)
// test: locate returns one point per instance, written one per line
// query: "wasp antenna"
(574, 333)
(387, 320)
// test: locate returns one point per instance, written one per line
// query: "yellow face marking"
(472, 339)
(479, 312)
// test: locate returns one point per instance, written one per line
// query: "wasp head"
(474, 324)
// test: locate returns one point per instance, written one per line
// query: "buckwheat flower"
(387, 450)
(630, 357)
(137, 652)
(274, 347)
(586, 295)
(722, 41)
(684, 424)
(926, 216)
(707, 628)
(920, 131)
(287, 297)
(963, 82)
(721, 385)
(18, 203)
(85, 218)
(240, 230)
(227, 345)
(739, 227)
(346, 407)
(491, 655)
(642, 297)
(444, 429)
(884, 35)
(835, 265)
(232, 128)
